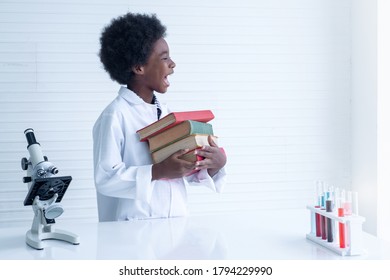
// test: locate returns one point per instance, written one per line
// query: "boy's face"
(158, 67)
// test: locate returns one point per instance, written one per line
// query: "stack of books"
(177, 131)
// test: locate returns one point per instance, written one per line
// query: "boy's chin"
(162, 90)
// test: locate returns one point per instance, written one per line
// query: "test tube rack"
(353, 225)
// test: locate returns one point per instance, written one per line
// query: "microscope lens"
(30, 137)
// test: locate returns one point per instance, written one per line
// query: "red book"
(173, 119)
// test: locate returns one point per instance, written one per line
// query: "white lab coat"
(123, 166)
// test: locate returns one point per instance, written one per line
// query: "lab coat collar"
(130, 96)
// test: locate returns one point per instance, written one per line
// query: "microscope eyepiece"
(34, 148)
(29, 132)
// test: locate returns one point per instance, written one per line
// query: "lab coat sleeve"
(112, 177)
(202, 178)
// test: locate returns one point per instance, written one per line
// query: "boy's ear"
(138, 70)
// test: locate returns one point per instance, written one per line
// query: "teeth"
(166, 81)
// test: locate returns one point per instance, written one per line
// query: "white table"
(271, 235)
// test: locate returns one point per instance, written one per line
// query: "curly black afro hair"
(128, 42)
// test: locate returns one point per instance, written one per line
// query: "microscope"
(45, 191)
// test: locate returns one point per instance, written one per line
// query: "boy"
(134, 53)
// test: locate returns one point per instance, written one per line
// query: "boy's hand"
(172, 167)
(214, 158)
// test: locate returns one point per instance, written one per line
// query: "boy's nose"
(173, 64)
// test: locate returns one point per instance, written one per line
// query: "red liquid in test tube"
(318, 223)
(341, 228)
(323, 227)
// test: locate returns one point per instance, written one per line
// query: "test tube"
(323, 218)
(348, 204)
(336, 206)
(329, 223)
(355, 205)
(341, 228)
(318, 205)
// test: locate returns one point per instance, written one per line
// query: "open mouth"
(166, 81)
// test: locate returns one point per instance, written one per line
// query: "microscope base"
(36, 241)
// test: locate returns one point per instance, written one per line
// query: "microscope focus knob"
(27, 179)
(24, 163)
